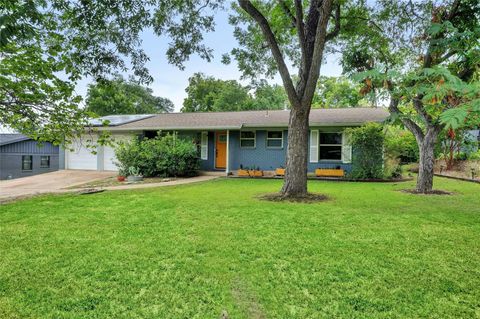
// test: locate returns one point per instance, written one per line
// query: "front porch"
(227, 151)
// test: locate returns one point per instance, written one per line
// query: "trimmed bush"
(401, 144)
(165, 156)
(367, 142)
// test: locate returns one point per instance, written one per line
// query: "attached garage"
(109, 152)
(81, 157)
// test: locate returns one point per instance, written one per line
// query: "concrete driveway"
(47, 183)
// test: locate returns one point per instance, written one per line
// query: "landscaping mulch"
(310, 198)
(433, 192)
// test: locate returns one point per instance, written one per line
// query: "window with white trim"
(45, 161)
(27, 162)
(204, 146)
(330, 147)
(274, 139)
(247, 139)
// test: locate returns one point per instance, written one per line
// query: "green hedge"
(166, 156)
(367, 142)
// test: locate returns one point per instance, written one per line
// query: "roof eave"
(157, 128)
(15, 141)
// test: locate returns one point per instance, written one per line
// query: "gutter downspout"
(227, 170)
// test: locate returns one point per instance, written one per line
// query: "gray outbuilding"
(20, 156)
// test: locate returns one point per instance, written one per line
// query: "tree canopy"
(337, 92)
(119, 96)
(208, 94)
(46, 46)
(425, 57)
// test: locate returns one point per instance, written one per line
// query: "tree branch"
(336, 29)
(373, 23)
(418, 106)
(300, 26)
(324, 10)
(289, 13)
(276, 52)
(411, 125)
(454, 10)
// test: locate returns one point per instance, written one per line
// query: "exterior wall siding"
(269, 158)
(11, 159)
(259, 156)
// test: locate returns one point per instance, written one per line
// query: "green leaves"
(46, 46)
(454, 118)
(207, 94)
(118, 96)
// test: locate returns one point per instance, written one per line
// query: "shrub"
(367, 142)
(474, 155)
(401, 144)
(164, 156)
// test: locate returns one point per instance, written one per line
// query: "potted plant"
(242, 171)
(134, 174)
(255, 172)
(121, 175)
(280, 171)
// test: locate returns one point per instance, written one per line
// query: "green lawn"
(193, 251)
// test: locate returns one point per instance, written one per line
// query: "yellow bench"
(327, 172)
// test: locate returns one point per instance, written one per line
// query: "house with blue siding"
(228, 141)
(20, 156)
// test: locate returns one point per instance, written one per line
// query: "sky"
(170, 82)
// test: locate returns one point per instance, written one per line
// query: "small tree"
(424, 57)
(367, 143)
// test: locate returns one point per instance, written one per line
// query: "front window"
(27, 162)
(330, 146)
(275, 139)
(45, 161)
(247, 139)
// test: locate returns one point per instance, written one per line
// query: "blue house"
(230, 140)
(20, 156)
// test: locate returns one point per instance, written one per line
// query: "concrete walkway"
(61, 181)
(178, 181)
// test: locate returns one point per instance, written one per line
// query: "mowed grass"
(196, 250)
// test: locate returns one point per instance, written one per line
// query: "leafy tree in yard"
(208, 94)
(269, 97)
(424, 56)
(334, 92)
(119, 96)
(39, 40)
(271, 34)
(33, 99)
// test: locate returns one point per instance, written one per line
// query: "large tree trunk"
(295, 184)
(426, 146)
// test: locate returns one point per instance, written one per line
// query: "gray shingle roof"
(238, 120)
(12, 138)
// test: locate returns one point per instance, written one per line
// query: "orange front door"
(220, 149)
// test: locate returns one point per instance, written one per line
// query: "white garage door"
(81, 157)
(109, 158)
